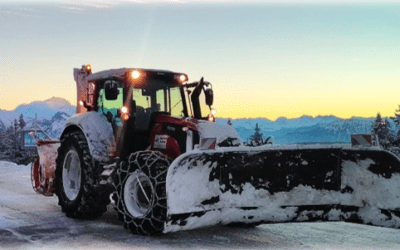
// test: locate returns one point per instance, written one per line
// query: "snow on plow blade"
(283, 184)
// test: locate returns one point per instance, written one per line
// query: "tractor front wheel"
(140, 195)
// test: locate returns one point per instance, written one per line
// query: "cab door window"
(143, 109)
(112, 106)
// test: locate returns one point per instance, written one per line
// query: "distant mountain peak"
(57, 102)
(46, 109)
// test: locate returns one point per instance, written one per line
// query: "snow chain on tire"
(91, 198)
(144, 177)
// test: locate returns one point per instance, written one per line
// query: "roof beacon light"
(135, 74)
(88, 68)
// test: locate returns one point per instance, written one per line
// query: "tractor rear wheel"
(77, 181)
(140, 194)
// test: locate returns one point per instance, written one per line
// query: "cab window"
(176, 102)
(112, 106)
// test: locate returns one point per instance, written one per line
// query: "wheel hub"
(71, 175)
(138, 194)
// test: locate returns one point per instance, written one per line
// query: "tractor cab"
(135, 100)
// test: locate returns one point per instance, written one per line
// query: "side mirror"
(111, 91)
(209, 94)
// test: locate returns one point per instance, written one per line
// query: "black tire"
(143, 212)
(91, 198)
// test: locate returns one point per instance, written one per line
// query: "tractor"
(140, 137)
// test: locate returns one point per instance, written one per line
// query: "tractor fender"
(97, 131)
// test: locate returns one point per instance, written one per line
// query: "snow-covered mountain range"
(304, 129)
(53, 112)
(44, 109)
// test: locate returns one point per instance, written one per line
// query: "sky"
(264, 58)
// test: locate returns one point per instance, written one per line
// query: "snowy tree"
(22, 123)
(380, 132)
(7, 141)
(2, 140)
(396, 129)
(16, 135)
(256, 138)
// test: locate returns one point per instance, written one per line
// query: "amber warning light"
(88, 68)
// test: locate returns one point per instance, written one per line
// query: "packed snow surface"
(32, 221)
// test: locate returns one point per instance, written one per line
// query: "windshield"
(162, 100)
(167, 100)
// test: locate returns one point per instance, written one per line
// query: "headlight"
(124, 117)
(124, 110)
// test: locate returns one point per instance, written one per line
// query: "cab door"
(110, 100)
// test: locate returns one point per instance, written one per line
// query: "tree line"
(11, 148)
(386, 136)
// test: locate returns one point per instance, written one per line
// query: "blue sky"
(265, 59)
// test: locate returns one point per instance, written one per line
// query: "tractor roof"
(120, 73)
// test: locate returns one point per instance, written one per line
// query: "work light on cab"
(183, 78)
(135, 74)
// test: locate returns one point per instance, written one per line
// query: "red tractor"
(141, 136)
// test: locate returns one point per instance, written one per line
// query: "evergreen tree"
(8, 140)
(2, 140)
(16, 134)
(396, 129)
(381, 132)
(256, 138)
(22, 123)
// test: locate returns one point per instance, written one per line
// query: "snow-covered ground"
(31, 221)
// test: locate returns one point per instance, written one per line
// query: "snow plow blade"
(283, 184)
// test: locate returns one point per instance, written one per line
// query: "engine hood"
(225, 135)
